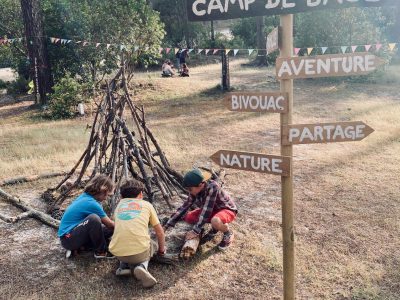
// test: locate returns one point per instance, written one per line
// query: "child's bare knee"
(216, 222)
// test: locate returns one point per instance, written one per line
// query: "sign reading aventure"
(327, 65)
(206, 10)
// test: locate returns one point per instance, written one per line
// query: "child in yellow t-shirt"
(131, 242)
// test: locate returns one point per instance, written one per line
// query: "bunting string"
(391, 47)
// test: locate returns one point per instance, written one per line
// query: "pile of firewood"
(120, 152)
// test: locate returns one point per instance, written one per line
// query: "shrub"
(19, 86)
(68, 93)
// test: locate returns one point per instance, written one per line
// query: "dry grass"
(347, 195)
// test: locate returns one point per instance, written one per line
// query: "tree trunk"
(261, 59)
(37, 49)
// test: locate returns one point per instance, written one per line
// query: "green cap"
(195, 177)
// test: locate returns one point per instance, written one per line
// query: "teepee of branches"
(121, 152)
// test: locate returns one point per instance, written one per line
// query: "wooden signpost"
(325, 133)
(273, 102)
(274, 40)
(327, 65)
(256, 162)
(207, 10)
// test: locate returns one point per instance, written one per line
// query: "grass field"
(347, 195)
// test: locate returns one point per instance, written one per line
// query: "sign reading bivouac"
(325, 133)
(270, 164)
(327, 65)
(274, 102)
(206, 10)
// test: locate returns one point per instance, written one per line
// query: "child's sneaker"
(123, 270)
(226, 240)
(144, 276)
(103, 255)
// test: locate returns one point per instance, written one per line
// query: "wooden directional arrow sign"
(327, 65)
(273, 102)
(206, 10)
(270, 164)
(325, 133)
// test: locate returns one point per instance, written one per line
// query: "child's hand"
(191, 235)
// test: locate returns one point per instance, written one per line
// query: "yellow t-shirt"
(131, 233)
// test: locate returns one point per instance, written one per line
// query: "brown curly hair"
(98, 185)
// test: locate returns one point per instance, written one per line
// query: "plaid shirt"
(211, 199)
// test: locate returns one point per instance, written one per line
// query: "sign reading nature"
(327, 65)
(206, 10)
(256, 162)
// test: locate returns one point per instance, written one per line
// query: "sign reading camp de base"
(206, 10)
(273, 102)
(327, 65)
(270, 164)
(325, 133)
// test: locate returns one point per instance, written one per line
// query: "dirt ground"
(347, 196)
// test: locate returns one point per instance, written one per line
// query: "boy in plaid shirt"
(215, 206)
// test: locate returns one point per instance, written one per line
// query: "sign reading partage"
(270, 164)
(274, 102)
(207, 10)
(274, 40)
(325, 133)
(327, 65)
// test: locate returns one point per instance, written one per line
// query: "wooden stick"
(23, 179)
(44, 218)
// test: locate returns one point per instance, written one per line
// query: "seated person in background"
(131, 241)
(84, 223)
(185, 71)
(215, 206)
(167, 70)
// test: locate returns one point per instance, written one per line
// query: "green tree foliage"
(330, 28)
(128, 22)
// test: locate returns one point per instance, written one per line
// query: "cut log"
(189, 249)
(44, 218)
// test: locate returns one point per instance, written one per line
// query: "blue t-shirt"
(78, 210)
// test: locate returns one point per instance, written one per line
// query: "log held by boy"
(256, 162)
(325, 133)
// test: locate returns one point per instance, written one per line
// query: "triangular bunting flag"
(367, 47)
(56, 41)
(353, 48)
(343, 48)
(250, 51)
(52, 40)
(20, 39)
(160, 50)
(167, 50)
(309, 50)
(378, 46)
(63, 41)
(207, 50)
(227, 51)
(324, 49)
(85, 43)
(190, 50)
(296, 50)
(97, 44)
(68, 41)
(215, 51)
(235, 51)
(392, 46)
(176, 50)
(78, 42)
(199, 51)
(108, 46)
